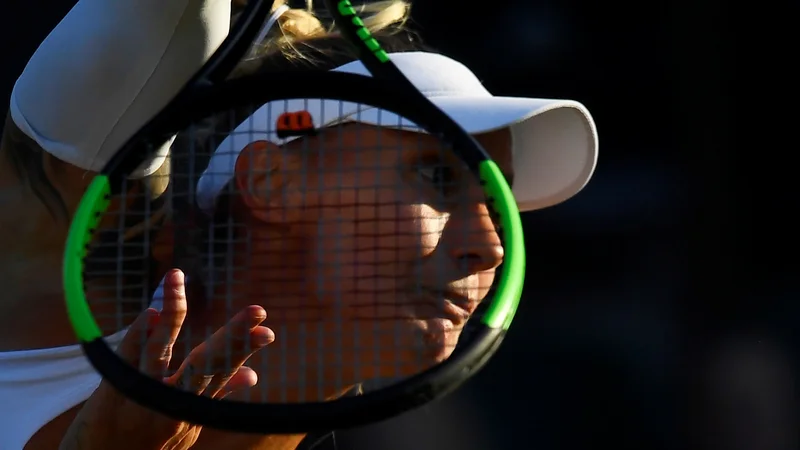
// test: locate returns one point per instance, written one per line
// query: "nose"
(472, 239)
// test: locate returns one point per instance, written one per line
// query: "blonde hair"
(299, 25)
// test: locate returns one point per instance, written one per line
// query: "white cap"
(554, 141)
(107, 69)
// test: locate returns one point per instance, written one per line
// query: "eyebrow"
(326, 130)
(507, 174)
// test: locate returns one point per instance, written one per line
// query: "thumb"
(130, 349)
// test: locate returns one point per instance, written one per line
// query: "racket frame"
(202, 101)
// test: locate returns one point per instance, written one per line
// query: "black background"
(679, 254)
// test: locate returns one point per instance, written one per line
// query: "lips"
(461, 301)
(449, 305)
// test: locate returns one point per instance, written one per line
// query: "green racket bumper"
(94, 202)
(509, 289)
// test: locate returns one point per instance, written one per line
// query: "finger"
(190, 378)
(244, 378)
(130, 349)
(158, 350)
(211, 364)
(213, 380)
(258, 338)
(220, 356)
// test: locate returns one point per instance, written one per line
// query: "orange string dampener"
(295, 123)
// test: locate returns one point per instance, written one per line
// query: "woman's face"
(368, 247)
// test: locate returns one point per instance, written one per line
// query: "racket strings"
(345, 234)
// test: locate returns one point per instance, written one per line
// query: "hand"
(109, 420)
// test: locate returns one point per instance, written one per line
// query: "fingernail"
(262, 337)
(175, 277)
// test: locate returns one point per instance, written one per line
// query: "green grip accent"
(94, 202)
(509, 290)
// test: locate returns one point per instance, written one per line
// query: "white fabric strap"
(262, 34)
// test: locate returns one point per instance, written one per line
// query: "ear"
(260, 181)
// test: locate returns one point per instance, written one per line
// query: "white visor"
(554, 141)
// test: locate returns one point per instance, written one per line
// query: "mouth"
(449, 305)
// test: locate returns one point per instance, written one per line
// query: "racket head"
(386, 401)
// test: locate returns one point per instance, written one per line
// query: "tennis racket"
(330, 214)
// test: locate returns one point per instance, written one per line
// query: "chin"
(426, 343)
(439, 339)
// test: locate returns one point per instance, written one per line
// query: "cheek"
(370, 244)
(428, 227)
(484, 284)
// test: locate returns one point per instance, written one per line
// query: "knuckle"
(164, 355)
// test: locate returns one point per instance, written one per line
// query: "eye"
(439, 175)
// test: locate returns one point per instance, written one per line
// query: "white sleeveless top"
(36, 386)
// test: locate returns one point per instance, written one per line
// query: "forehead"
(364, 137)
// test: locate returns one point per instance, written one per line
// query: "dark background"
(661, 302)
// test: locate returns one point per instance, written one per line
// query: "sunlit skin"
(461, 261)
(377, 241)
(368, 239)
(33, 251)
